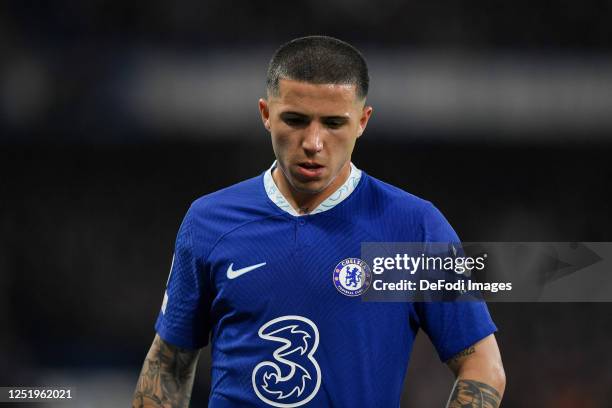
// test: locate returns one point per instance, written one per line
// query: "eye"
(334, 123)
(295, 120)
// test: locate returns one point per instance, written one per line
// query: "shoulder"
(211, 216)
(417, 216)
(394, 195)
(392, 200)
(236, 195)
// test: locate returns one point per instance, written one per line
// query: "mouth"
(310, 169)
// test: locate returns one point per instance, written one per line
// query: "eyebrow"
(293, 113)
(333, 117)
(339, 118)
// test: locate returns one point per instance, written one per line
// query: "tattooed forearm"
(473, 394)
(166, 378)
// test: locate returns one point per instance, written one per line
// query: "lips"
(310, 165)
(310, 169)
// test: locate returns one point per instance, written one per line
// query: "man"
(253, 266)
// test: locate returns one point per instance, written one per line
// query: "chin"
(313, 187)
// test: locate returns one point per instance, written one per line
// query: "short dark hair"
(318, 59)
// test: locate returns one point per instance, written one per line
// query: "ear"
(363, 120)
(264, 110)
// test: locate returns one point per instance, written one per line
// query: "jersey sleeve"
(451, 326)
(184, 317)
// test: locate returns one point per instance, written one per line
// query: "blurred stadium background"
(114, 116)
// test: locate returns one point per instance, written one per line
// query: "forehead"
(328, 98)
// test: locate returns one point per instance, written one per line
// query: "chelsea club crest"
(352, 277)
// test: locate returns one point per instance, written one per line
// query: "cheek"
(280, 140)
(286, 138)
(342, 144)
(281, 143)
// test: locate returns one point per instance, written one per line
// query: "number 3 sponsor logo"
(293, 377)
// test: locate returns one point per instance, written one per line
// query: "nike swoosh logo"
(233, 274)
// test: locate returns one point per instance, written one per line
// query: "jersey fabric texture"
(256, 281)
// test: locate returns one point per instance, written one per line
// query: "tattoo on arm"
(461, 354)
(473, 394)
(166, 378)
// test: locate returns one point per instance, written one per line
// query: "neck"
(304, 202)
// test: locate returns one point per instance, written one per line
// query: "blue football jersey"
(258, 282)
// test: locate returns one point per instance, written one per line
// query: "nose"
(313, 142)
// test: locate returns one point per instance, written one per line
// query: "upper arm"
(167, 376)
(184, 317)
(452, 326)
(169, 362)
(481, 361)
(179, 360)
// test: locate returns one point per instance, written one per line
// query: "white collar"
(330, 202)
